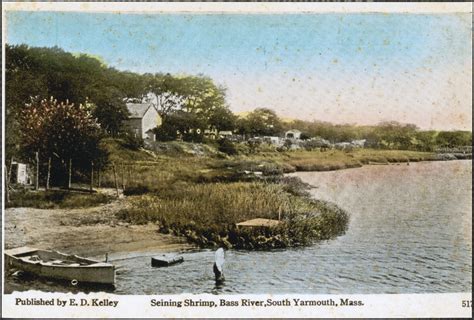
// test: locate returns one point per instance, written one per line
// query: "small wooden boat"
(165, 260)
(56, 265)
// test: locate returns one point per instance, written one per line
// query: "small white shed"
(293, 134)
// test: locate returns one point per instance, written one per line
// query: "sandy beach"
(89, 232)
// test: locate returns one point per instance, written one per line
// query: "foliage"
(81, 79)
(222, 119)
(131, 141)
(165, 92)
(454, 139)
(261, 122)
(53, 199)
(227, 147)
(182, 124)
(61, 131)
(385, 135)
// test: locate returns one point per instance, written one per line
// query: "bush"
(227, 147)
(136, 190)
(130, 141)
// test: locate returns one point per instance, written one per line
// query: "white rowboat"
(56, 265)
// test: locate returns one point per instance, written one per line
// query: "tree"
(62, 131)
(202, 96)
(261, 122)
(452, 139)
(109, 109)
(165, 92)
(81, 79)
(222, 119)
(181, 123)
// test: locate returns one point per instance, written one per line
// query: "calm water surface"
(410, 231)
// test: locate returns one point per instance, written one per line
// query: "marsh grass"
(207, 213)
(53, 199)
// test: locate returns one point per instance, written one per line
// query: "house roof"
(138, 110)
(294, 131)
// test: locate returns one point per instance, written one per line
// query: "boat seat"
(31, 259)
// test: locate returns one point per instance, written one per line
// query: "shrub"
(131, 141)
(227, 147)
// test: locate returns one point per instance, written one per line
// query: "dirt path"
(89, 232)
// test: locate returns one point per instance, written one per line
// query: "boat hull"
(165, 261)
(94, 272)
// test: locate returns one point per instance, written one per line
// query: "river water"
(410, 231)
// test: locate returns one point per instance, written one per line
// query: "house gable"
(142, 120)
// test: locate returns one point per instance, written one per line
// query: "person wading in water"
(218, 267)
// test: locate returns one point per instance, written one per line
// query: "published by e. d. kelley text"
(73, 302)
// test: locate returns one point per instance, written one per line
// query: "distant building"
(225, 134)
(293, 134)
(214, 134)
(21, 174)
(210, 133)
(142, 120)
(277, 141)
(359, 143)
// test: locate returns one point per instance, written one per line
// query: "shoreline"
(364, 162)
(89, 232)
(78, 229)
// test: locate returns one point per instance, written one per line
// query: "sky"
(342, 68)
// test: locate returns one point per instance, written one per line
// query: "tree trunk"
(37, 171)
(92, 176)
(115, 179)
(69, 174)
(7, 187)
(98, 177)
(123, 178)
(10, 170)
(48, 176)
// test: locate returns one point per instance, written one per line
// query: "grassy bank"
(199, 193)
(150, 169)
(337, 159)
(53, 199)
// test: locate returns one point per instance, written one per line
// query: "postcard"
(236, 160)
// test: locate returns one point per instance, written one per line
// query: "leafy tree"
(181, 124)
(165, 92)
(81, 79)
(202, 96)
(261, 122)
(109, 109)
(60, 130)
(222, 119)
(453, 139)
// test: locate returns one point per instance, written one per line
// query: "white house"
(142, 120)
(293, 134)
